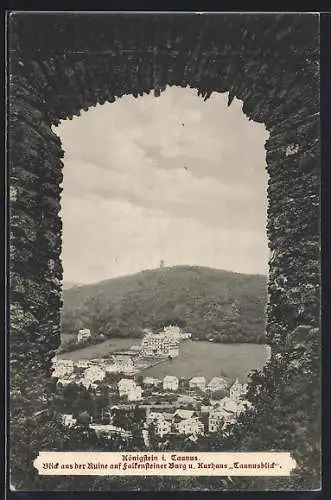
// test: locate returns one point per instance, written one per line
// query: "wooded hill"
(209, 303)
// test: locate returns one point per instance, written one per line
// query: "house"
(94, 373)
(61, 372)
(175, 332)
(152, 416)
(161, 422)
(163, 427)
(84, 382)
(197, 383)
(67, 380)
(151, 381)
(82, 363)
(228, 405)
(64, 382)
(170, 383)
(125, 386)
(68, 420)
(190, 426)
(83, 334)
(109, 429)
(237, 390)
(215, 420)
(110, 368)
(62, 367)
(227, 410)
(168, 416)
(217, 384)
(123, 364)
(135, 394)
(172, 331)
(152, 344)
(181, 415)
(159, 344)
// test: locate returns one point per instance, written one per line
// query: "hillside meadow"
(195, 358)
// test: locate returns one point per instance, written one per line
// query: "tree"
(153, 437)
(285, 415)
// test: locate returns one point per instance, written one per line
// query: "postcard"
(164, 185)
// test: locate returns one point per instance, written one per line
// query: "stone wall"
(60, 65)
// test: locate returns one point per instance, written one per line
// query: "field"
(99, 350)
(212, 360)
(195, 358)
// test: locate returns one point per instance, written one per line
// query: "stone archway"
(61, 66)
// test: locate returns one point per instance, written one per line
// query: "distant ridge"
(210, 303)
(66, 285)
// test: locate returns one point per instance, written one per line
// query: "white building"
(135, 394)
(161, 422)
(109, 429)
(229, 405)
(215, 420)
(227, 410)
(84, 382)
(125, 386)
(217, 384)
(152, 416)
(68, 419)
(197, 382)
(172, 331)
(176, 333)
(170, 383)
(123, 364)
(94, 373)
(237, 390)
(181, 415)
(64, 381)
(190, 426)
(82, 363)
(163, 427)
(161, 344)
(151, 381)
(83, 334)
(62, 367)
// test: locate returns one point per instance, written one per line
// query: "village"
(189, 407)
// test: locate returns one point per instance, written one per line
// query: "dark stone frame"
(61, 64)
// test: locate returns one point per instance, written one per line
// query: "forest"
(209, 303)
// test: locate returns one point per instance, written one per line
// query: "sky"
(168, 178)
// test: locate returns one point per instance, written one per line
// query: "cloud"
(111, 238)
(173, 161)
